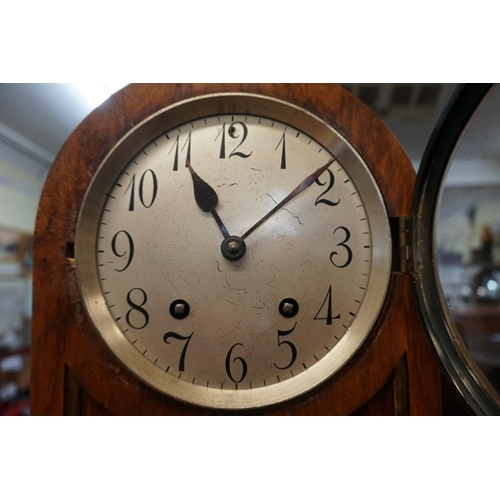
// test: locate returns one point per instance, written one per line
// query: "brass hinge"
(402, 227)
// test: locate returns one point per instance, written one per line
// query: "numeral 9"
(129, 251)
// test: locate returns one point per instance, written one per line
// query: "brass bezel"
(138, 138)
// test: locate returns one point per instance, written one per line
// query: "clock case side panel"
(69, 356)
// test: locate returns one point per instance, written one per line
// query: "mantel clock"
(212, 249)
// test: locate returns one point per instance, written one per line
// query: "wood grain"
(69, 359)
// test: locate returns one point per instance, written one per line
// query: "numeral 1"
(283, 151)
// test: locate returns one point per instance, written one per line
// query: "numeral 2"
(330, 186)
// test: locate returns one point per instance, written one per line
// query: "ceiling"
(36, 119)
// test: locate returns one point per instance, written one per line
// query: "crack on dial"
(292, 214)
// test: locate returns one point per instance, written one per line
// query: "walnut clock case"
(208, 249)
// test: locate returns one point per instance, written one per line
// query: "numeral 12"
(232, 134)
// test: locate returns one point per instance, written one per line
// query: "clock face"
(174, 295)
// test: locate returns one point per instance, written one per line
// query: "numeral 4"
(329, 315)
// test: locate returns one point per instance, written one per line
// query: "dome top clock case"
(230, 248)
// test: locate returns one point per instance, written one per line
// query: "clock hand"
(206, 198)
(305, 184)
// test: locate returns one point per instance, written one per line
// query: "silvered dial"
(270, 324)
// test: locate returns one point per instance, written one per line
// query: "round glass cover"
(463, 316)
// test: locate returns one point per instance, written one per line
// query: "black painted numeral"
(293, 349)
(329, 316)
(331, 183)
(346, 247)
(186, 145)
(138, 308)
(233, 134)
(222, 131)
(173, 335)
(154, 191)
(129, 252)
(243, 363)
(283, 151)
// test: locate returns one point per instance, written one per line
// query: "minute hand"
(304, 185)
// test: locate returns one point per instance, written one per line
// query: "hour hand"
(206, 198)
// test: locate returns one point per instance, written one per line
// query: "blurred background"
(36, 119)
